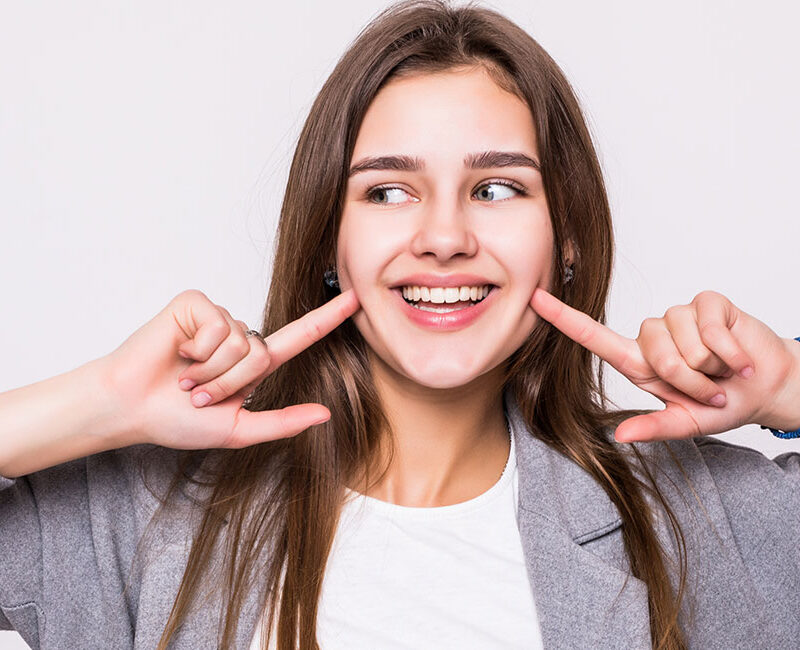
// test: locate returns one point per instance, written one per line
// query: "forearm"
(68, 416)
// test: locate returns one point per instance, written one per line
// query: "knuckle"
(232, 440)
(698, 357)
(647, 325)
(186, 298)
(312, 330)
(628, 365)
(261, 356)
(220, 326)
(240, 345)
(709, 329)
(192, 294)
(676, 313)
(283, 422)
(202, 353)
(667, 365)
(220, 388)
(707, 294)
(584, 335)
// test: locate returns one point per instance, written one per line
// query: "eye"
(386, 195)
(502, 190)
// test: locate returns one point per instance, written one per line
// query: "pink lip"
(453, 320)
(432, 280)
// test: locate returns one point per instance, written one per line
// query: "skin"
(442, 390)
(694, 352)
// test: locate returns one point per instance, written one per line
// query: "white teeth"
(439, 295)
(451, 294)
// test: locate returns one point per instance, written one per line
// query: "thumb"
(673, 422)
(253, 427)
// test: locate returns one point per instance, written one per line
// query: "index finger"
(583, 329)
(293, 338)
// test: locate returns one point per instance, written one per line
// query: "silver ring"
(255, 333)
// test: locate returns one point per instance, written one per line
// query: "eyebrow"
(478, 160)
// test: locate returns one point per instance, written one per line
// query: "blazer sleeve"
(67, 538)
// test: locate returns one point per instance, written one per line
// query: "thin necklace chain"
(510, 436)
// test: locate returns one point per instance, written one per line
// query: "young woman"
(416, 450)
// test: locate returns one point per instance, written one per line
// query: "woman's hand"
(192, 340)
(714, 366)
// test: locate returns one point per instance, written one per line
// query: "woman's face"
(443, 194)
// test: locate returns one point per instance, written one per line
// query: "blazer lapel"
(582, 600)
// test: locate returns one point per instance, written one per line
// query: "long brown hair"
(281, 500)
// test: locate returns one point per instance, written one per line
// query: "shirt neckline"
(378, 506)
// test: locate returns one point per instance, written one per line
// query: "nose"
(444, 232)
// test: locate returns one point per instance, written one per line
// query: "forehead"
(443, 114)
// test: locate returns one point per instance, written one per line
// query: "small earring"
(331, 278)
(569, 273)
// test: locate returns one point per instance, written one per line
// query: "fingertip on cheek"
(534, 297)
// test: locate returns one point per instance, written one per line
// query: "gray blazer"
(68, 534)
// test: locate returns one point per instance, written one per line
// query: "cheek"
(530, 266)
(524, 252)
(364, 248)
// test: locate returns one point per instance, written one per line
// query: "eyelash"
(514, 186)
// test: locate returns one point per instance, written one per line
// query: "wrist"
(109, 419)
(784, 412)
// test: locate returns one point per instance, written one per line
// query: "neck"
(450, 445)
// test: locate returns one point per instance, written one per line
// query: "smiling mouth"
(445, 300)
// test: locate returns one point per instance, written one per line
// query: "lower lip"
(453, 320)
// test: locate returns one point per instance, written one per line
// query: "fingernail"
(747, 372)
(201, 399)
(321, 420)
(187, 384)
(183, 354)
(718, 400)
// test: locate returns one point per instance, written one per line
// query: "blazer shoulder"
(745, 476)
(736, 471)
(92, 510)
(755, 497)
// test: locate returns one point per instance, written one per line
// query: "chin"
(441, 373)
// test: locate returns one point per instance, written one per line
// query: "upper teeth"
(445, 294)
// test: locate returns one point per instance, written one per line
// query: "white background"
(144, 148)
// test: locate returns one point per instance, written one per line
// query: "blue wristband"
(786, 435)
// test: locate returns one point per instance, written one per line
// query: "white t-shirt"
(454, 576)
